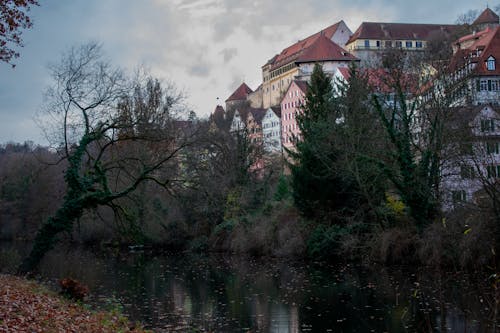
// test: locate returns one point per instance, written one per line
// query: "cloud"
(228, 54)
(207, 47)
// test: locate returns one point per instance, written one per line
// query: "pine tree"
(319, 189)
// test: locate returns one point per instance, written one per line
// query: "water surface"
(187, 293)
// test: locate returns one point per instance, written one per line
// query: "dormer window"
(490, 63)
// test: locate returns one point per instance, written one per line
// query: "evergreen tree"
(320, 190)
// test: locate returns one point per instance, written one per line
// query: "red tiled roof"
(402, 31)
(323, 49)
(291, 53)
(240, 94)
(487, 16)
(488, 41)
(345, 72)
(384, 81)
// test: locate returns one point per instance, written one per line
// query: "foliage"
(325, 241)
(318, 187)
(13, 18)
(282, 190)
(28, 307)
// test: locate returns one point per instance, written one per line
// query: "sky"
(206, 47)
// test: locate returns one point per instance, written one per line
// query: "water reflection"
(233, 294)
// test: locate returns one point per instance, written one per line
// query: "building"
(473, 160)
(271, 130)
(488, 18)
(290, 108)
(372, 39)
(476, 60)
(296, 61)
(238, 97)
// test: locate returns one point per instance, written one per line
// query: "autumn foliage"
(73, 289)
(13, 18)
(27, 307)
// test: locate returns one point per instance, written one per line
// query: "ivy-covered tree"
(114, 134)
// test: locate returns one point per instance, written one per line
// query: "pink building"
(290, 106)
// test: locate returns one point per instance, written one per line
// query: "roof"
(402, 31)
(292, 52)
(385, 81)
(323, 49)
(219, 110)
(302, 85)
(488, 43)
(240, 93)
(465, 115)
(345, 72)
(257, 114)
(487, 16)
(276, 110)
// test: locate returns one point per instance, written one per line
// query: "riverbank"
(26, 306)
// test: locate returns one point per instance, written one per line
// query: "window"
(458, 196)
(409, 44)
(399, 44)
(492, 147)
(487, 125)
(378, 43)
(493, 171)
(418, 44)
(490, 63)
(367, 44)
(467, 172)
(494, 85)
(483, 85)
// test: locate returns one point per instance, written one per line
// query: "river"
(223, 293)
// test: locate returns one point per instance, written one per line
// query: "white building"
(271, 130)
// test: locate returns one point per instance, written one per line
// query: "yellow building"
(283, 68)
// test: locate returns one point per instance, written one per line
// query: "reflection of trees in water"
(227, 294)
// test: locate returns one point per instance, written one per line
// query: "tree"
(13, 18)
(114, 134)
(319, 188)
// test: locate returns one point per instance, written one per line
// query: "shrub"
(325, 241)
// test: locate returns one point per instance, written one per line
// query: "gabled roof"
(292, 52)
(219, 110)
(257, 114)
(488, 43)
(302, 85)
(486, 17)
(276, 110)
(401, 31)
(345, 72)
(240, 94)
(323, 49)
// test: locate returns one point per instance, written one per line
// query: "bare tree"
(114, 134)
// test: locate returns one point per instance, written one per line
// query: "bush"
(325, 241)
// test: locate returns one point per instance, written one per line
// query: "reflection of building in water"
(294, 319)
(284, 319)
(181, 300)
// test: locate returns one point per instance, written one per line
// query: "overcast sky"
(207, 47)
